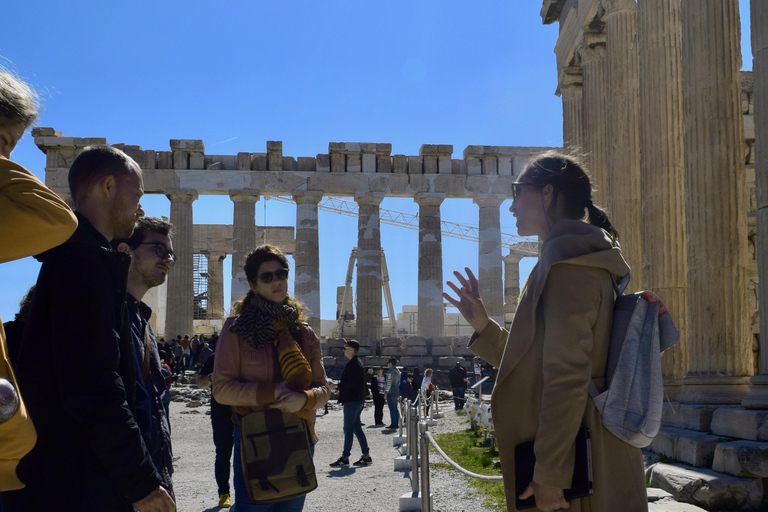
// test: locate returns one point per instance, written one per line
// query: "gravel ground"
(375, 488)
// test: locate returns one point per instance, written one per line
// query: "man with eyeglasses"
(152, 257)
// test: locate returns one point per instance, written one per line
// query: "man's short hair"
(19, 103)
(143, 226)
(94, 164)
(393, 361)
(353, 344)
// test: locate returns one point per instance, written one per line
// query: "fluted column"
(571, 91)
(369, 318)
(307, 255)
(431, 313)
(624, 108)
(664, 238)
(595, 114)
(180, 303)
(720, 337)
(758, 395)
(490, 276)
(511, 284)
(215, 285)
(243, 241)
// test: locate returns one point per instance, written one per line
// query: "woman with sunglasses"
(557, 344)
(245, 367)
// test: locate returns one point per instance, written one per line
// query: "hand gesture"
(158, 500)
(547, 498)
(469, 303)
(287, 400)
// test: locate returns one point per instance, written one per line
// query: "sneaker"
(341, 462)
(365, 460)
(224, 501)
(393, 426)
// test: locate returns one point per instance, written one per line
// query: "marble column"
(758, 393)
(720, 337)
(243, 241)
(490, 276)
(431, 312)
(511, 285)
(664, 237)
(307, 255)
(180, 301)
(622, 56)
(369, 312)
(595, 114)
(571, 91)
(216, 285)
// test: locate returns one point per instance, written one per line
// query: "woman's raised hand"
(469, 303)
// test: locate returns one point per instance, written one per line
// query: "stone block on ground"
(329, 361)
(416, 350)
(442, 351)
(708, 489)
(335, 342)
(391, 351)
(462, 350)
(415, 341)
(688, 446)
(390, 342)
(442, 341)
(450, 362)
(742, 458)
(376, 361)
(669, 505)
(335, 352)
(694, 417)
(410, 361)
(737, 422)
(655, 494)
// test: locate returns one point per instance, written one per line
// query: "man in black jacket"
(76, 363)
(458, 378)
(352, 395)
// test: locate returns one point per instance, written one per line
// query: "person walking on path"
(458, 378)
(223, 434)
(377, 381)
(352, 396)
(392, 393)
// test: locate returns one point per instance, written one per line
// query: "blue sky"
(237, 74)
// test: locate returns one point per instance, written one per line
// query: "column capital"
(182, 196)
(216, 255)
(429, 199)
(369, 198)
(307, 197)
(593, 49)
(616, 6)
(483, 200)
(244, 197)
(513, 257)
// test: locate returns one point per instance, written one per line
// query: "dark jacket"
(77, 370)
(458, 376)
(352, 384)
(407, 392)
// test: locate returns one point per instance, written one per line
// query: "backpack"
(631, 405)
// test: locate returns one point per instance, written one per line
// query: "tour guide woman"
(243, 373)
(558, 343)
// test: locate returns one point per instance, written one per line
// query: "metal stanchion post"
(426, 498)
(413, 448)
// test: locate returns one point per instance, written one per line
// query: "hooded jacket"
(557, 344)
(77, 371)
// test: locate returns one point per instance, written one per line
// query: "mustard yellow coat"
(32, 220)
(558, 342)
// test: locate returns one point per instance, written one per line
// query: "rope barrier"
(484, 478)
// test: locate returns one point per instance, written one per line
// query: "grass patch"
(467, 449)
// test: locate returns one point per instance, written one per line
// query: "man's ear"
(107, 186)
(123, 247)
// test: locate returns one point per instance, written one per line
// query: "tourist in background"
(352, 395)
(558, 343)
(244, 370)
(392, 392)
(458, 378)
(427, 387)
(377, 382)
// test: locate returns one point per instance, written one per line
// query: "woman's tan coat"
(558, 342)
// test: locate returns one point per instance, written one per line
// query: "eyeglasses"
(516, 188)
(279, 274)
(162, 251)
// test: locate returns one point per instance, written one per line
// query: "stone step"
(688, 446)
(742, 458)
(740, 423)
(693, 417)
(706, 488)
(660, 500)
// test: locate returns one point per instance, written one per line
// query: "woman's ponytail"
(598, 217)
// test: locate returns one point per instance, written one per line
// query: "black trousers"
(378, 409)
(224, 440)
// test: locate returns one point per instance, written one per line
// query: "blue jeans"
(394, 409)
(352, 425)
(458, 398)
(243, 503)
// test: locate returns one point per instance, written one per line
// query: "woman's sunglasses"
(516, 188)
(279, 274)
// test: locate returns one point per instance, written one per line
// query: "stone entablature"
(347, 169)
